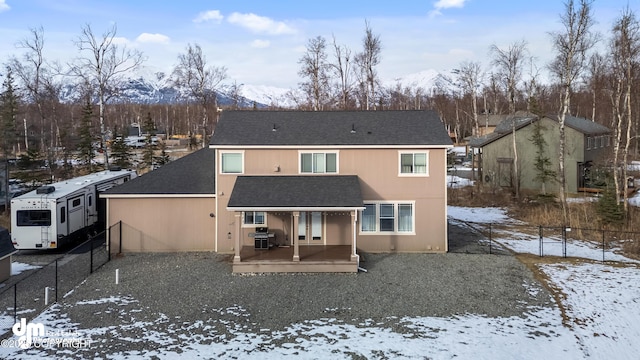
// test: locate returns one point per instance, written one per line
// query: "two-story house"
(305, 191)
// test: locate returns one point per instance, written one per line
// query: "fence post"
(564, 241)
(490, 237)
(56, 280)
(540, 236)
(91, 255)
(15, 303)
(120, 236)
(603, 252)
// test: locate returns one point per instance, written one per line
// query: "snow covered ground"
(596, 317)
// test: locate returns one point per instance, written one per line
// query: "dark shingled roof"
(190, 174)
(273, 128)
(6, 246)
(328, 191)
(582, 125)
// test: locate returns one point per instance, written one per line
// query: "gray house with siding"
(585, 143)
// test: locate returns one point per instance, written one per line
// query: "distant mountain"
(427, 80)
(151, 86)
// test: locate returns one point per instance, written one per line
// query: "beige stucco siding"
(377, 170)
(163, 224)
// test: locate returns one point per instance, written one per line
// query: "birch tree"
(314, 71)
(367, 61)
(625, 49)
(508, 63)
(104, 64)
(38, 83)
(200, 80)
(470, 78)
(342, 69)
(571, 44)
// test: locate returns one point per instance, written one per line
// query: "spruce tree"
(85, 144)
(148, 151)
(120, 152)
(8, 135)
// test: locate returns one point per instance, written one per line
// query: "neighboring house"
(6, 251)
(585, 142)
(304, 191)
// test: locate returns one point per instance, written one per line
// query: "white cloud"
(152, 38)
(260, 44)
(445, 4)
(120, 40)
(260, 24)
(4, 6)
(211, 15)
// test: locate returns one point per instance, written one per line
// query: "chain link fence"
(31, 295)
(612, 245)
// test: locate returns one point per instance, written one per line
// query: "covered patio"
(323, 213)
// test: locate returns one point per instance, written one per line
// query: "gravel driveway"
(166, 291)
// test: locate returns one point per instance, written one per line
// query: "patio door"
(310, 228)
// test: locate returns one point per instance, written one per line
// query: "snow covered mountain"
(152, 86)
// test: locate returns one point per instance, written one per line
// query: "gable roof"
(190, 174)
(277, 128)
(582, 125)
(296, 192)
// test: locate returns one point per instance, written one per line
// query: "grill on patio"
(262, 238)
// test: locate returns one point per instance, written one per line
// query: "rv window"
(33, 217)
(63, 215)
(89, 200)
(75, 202)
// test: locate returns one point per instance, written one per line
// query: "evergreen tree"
(120, 152)
(610, 211)
(164, 156)
(541, 163)
(148, 151)
(8, 114)
(85, 144)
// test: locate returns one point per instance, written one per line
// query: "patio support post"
(296, 245)
(354, 227)
(237, 247)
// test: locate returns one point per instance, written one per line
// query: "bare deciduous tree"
(509, 65)
(103, 66)
(200, 80)
(342, 70)
(314, 71)
(470, 77)
(572, 45)
(367, 61)
(38, 83)
(625, 49)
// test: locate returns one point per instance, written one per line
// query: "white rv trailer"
(54, 214)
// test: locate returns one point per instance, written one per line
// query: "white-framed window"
(319, 162)
(388, 218)
(589, 142)
(254, 218)
(413, 163)
(231, 162)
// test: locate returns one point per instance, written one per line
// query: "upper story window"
(231, 163)
(589, 142)
(414, 163)
(319, 162)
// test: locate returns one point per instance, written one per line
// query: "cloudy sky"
(260, 42)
